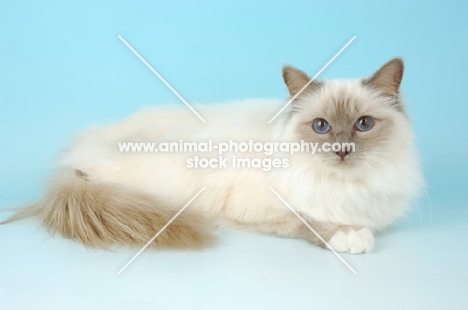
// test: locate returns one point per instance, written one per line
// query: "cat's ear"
(295, 80)
(388, 78)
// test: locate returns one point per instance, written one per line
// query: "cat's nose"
(342, 153)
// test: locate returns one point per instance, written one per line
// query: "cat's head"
(368, 113)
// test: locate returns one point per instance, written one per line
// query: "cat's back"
(238, 121)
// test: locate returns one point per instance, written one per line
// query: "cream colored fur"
(103, 196)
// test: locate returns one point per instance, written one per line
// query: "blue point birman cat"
(101, 196)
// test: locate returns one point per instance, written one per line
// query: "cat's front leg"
(351, 239)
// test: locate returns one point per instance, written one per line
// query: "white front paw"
(352, 241)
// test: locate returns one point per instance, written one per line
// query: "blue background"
(62, 69)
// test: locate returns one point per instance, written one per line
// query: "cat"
(101, 196)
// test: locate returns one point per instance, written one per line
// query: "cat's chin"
(344, 166)
(343, 163)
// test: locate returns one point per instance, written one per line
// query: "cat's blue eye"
(365, 123)
(321, 126)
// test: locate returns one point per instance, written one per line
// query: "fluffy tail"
(102, 214)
